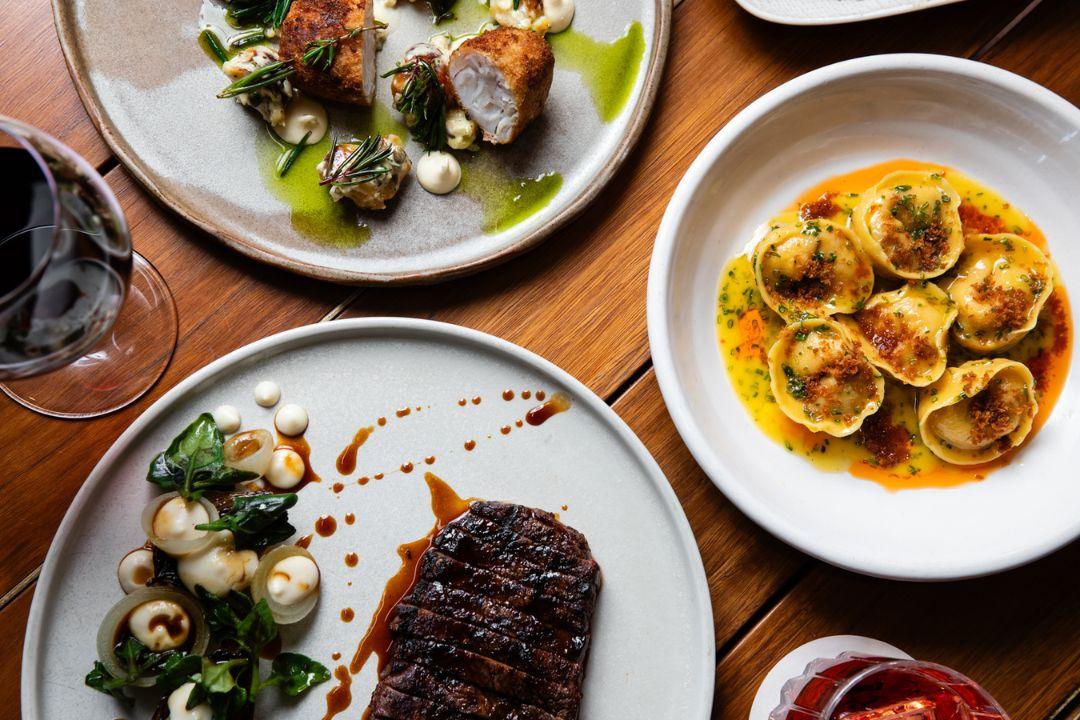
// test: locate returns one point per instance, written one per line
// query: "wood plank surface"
(579, 299)
(1017, 634)
(36, 86)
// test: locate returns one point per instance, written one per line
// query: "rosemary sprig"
(289, 157)
(320, 54)
(268, 74)
(247, 37)
(269, 13)
(362, 165)
(213, 44)
(423, 101)
(441, 9)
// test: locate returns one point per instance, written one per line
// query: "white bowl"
(1009, 133)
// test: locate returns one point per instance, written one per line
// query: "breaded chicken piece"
(351, 79)
(501, 79)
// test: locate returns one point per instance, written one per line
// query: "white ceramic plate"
(151, 91)
(1007, 132)
(833, 12)
(653, 653)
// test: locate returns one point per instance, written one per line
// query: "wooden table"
(579, 300)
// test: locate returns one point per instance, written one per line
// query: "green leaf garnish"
(195, 462)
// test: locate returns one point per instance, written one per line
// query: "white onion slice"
(177, 548)
(250, 451)
(283, 614)
(112, 627)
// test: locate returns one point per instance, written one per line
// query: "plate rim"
(67, 33)
(305, 336)
(899, 9)
(659, 285)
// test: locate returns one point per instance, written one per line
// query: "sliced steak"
(497, 626)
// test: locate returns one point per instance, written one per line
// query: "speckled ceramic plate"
(151, 91)
(653, 652)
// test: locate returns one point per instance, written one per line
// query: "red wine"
(64, 261)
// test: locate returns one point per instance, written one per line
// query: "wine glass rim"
(20, 132)
(903, 664)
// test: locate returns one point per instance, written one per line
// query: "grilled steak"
(498, 624)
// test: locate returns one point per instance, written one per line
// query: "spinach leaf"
(177, 670)
(256, 521)
(195, 462)
(296, 673)
(235, 618)
(258, 629)
(102, 680)
(136, 661)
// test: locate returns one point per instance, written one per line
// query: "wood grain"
(1017, 633)
(579, 299)
(1033, 48)
(224, 302)
(745, 565)
(12, 625)
(35, 81)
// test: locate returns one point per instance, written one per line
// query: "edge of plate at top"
(886, 8)
(372, 327)
(656, 53)
(661, 332)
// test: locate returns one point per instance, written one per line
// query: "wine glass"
(87, 326)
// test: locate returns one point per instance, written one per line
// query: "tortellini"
(906, 332)
(811, 268)
(978, 411)
(909, 225)
(821, 379)
(1002, 282)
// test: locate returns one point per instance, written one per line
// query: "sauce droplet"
(505, 429)
(335, 656)
(326, 525)
(379, 476)
(347, 615)
(446, 506)
(559, 402)
(519, 423)
(346, 461)
(429, 460)
(352, 559)
(477, 400)
(304, 542)
(508, 395)
(299, 445)
(462, 402)
(403, 412)
(363, 481)
(469, 445)
(526, 394)
(340, 696)
(382, 422)
(338, 487)
(407, 468)
(540, 395)
(349, 518)
(565, 508)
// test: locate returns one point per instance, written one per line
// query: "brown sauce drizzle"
(446, 506)
(559, 402)
(519, 423)
(540, 395)
(304, 542)
(338, 487)
(363, 481)
(505, 429)
(340, 696)
(349, 518)
(429, 460)
(477, 400)
(470, 445)
(526, 394)
(462, 402)
(351, 559)
(301, 447)
(346, 461)
(382, 422)
(347, 615)
(403, 412)
(508, 395)
(271, 649)
(379, 476)
(335, 656)
(173, 624)
(325, 525)
(406, 467)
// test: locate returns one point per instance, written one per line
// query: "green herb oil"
(505, 200)
(609, 70)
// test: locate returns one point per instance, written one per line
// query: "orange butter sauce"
(747, 328)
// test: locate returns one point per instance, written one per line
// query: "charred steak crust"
(498, 625)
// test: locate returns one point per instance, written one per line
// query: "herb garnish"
(320, 54)
(269, 74)
(195, 462)
(423, 102)
(288, 158)
(137, 660)
(441, 9)
(270, 13)
(364, 164)
(256, 521)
